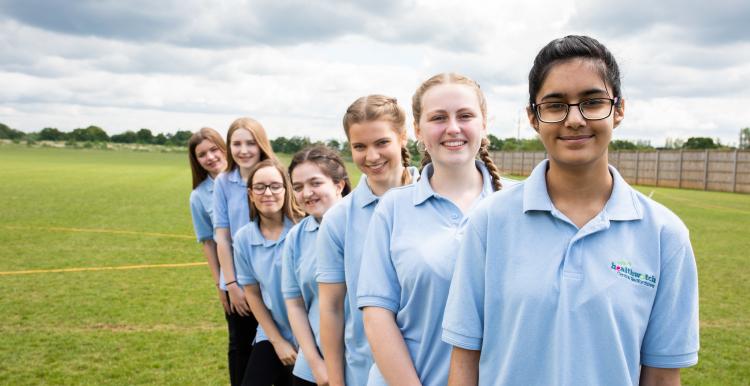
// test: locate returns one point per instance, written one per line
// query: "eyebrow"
(589, 92)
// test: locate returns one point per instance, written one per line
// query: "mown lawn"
(70, 209)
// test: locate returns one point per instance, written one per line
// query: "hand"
(285, 351)
(320, 373)
(237, 297)
(223, 300)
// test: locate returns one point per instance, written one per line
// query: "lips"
(377, 168)
(575, 137)
(454, 143)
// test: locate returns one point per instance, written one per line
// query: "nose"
(453, 127)
(574, 119)
(372, 154)
(307, 191)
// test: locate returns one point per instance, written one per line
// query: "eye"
(358, 147)
(553, 106)
(437, 118)
(315, 184)
(594, 102)
(297, 187)
(383, 142)
(466, 116)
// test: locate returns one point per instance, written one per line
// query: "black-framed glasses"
(591, 109)
(276, 187)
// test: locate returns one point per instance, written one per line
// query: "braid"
(425, 160)
(406, 161)
(484, 155)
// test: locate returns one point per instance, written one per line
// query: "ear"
(619, 113)
(403, 138)
(533, 121)
(340, 187)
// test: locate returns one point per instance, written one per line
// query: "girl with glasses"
(413, 236)
(573, 277)
(375, 128)
(257, 254)
(319, 181)
(248, 144)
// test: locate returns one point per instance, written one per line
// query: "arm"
(332, 329)
(224, 251)
(301, 328)
(388, 347)
(652, 376)
(284, 350)
(209, 251)
(464, 367)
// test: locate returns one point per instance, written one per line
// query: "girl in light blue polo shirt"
(248, 144)
(257, 253)
(414, 233)
(573, 277)
(319, 180)
(375, 128)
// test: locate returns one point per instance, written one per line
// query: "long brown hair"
(259, 134)
(453, 78)
(327, 160)
(380, 107)
(205, 133)
(290, 209)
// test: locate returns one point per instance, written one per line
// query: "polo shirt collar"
(311, 224)
(423, 189)
(256, 236)
(235, 177)
(363, 195)
(622, 204)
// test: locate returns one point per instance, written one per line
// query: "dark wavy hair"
(329, 162)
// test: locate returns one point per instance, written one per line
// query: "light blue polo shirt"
(230, 204)
(548, 303)
(201, 207)
(298, 280)
(340, 241)
(407, 264)
(258, 261)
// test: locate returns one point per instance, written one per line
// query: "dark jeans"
(297, 381)
(265, 368)
(241, 336)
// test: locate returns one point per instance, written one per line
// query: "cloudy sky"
(295, 65)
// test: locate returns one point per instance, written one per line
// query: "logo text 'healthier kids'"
(624, 269)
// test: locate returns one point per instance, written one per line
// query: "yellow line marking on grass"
(81, 269)
(99, 230)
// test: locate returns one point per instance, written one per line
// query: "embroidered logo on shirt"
(624, 269)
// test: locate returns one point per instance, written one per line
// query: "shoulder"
(499, 207)
(669, 225)
(397, 195)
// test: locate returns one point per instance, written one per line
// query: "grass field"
(72, 209)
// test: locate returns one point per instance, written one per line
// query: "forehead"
(306, 171)
(450, 96)
(370, 131)
(572, 78)
(242, 135)
(204, 145)
(267, 174)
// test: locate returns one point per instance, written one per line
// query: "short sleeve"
(378, 282)
(671, 339)
(463, 321)
(289, 283)
(201, 219)
(242, 264)
(220, 213)
(330, 247)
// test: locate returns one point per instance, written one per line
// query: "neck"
(244, 173)
(393, 181)
(271, 225)
(579, 191)
(462, 184)
(213, 175)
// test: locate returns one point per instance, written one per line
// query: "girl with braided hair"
(413, 238)
(375, 128)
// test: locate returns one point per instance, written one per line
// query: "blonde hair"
(290, 209)
(453, 78)
(377, 107)
(259, 134)
(205, 133)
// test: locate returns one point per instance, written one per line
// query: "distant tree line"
(297, 143)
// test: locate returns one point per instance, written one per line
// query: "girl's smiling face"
(314, 190)
(452, 124)
(210, 157)
(268, 202)
(244, 148)
(376, 150)
(576, 141)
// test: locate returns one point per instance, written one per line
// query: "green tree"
(52, 134)
(334, 144)
(495, 142)
(126, 137)
(180, 138)
(745, 138)
(700, 143)
(144, 136)
(89, 134)
(160, 139)
(8, 133)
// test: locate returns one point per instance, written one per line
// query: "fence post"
(734, 172)
(512, 161)
(679, 176)
(618, 159)
(637, 165)
(523, 162)
(658, 154)
(705, 170)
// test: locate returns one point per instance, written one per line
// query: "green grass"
(164, 325)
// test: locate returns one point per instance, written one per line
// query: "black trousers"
(241, 336)
(265, 369)
(297, 381)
